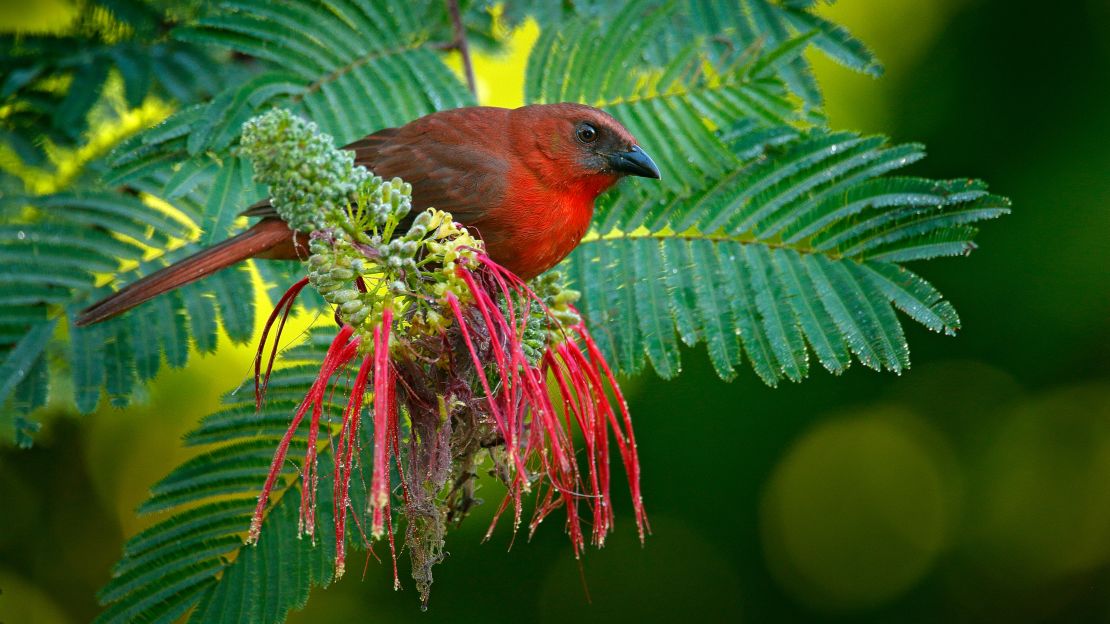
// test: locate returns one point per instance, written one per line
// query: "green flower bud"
(351, 306)
(343, 296)
(357, 318)
(423, 220)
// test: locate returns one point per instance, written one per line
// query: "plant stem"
(461, 45)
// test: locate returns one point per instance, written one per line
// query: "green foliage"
(122, 37)
(342, 51)
(21, 371)
(766, 236)
(195, 558)
(719, 31)
(800, 242)
(52, 262)
(770, 237)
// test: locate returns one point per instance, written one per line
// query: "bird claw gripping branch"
(455, 352)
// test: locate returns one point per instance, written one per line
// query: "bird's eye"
(587, 133)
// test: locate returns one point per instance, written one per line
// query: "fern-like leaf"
(725, 29)
(806, 240)
(355, 66)
(105, 37)
(195, 559)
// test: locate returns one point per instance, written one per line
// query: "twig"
(461, 45)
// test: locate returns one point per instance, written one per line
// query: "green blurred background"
(975, 487)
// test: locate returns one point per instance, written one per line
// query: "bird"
(524, 180)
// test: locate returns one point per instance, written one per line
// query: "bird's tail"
(264, 236)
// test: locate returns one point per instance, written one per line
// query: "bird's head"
(582, 145)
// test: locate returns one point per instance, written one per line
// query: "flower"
(460, 356)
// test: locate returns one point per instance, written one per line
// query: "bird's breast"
(536, 226)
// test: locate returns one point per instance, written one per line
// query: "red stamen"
(310, 479)
(326, 369)
(630, 456)
(284, 305)
(537, 441)
(498, 418)
(345, 458)
(383, 377)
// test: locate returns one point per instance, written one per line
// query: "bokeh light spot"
(1045, 509)
(21, 601)
(859, 509)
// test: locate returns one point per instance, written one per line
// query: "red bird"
(524, 180)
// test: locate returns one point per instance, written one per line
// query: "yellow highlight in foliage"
(69, 163)
(500, 77)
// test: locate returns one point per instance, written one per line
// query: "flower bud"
(357, 318)
(343, 296)
(351, 306)
(424, 220)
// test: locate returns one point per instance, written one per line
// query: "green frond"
(225, 201)
(16, 426)
(236, 312)
(724, 31)
(231, 469)
(87, 365)
(653, 308)
(834, 40)
(244, 421)
(55, 259)
(119, 362)
(19, 363)
(354, 66)
(115, 213)
(769, 23)
(797, 250)
(671, 107)
(195, 559)
(52, 260)
(145, 59)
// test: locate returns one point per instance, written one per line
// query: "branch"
(460, 44)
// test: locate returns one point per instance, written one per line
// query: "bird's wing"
(460, 176)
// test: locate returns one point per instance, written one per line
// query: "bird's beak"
(634, 162)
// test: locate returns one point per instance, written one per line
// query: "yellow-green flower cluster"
(333, 268)
(414, 270)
